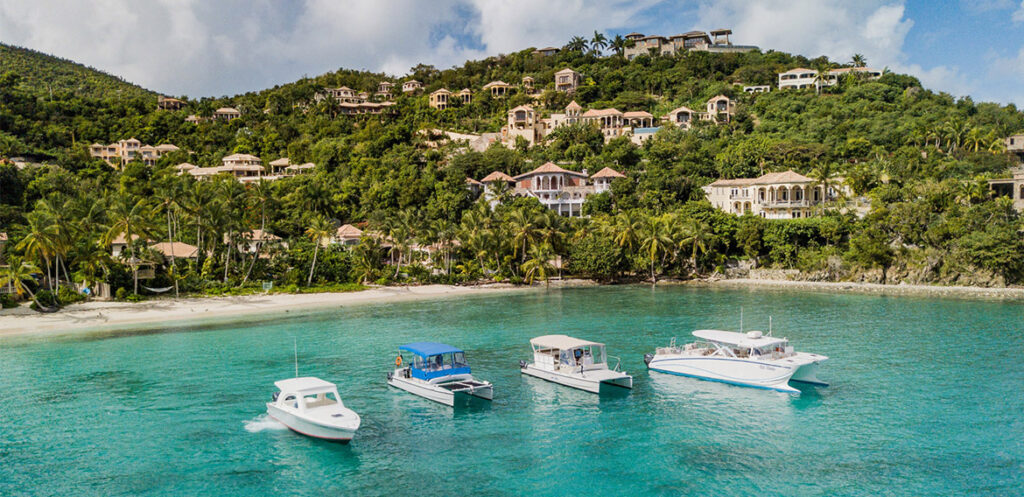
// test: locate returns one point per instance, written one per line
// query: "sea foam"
(263, 422)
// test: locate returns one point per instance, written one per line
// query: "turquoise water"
(925, 400)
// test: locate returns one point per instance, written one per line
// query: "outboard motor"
(276, 394)
(648, 358)
(390, 375)
(522, 364)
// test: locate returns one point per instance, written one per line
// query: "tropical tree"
(319, 232)
(859, 60)
(539, 264)
(655, 241)
(16, 273)
(618, 44)
(598, 43)
(695, 239)
(130, 220)
(577, 44)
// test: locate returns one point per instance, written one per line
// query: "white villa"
(227, 113)
(785, 195)
(247, 168)
(801, 78)
(693, 40)
(558, 189)
(498, 88)
(411, 86)
(124, 151)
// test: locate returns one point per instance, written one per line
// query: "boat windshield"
(582, 356)
(320, 399)
(440, 365)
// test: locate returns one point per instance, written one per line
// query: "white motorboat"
(750, 359)
(312, 407)
(574, 363)
(438, 372)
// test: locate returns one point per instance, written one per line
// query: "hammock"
(158, 290)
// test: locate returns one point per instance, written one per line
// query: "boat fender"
(648, 358)
(522, 364)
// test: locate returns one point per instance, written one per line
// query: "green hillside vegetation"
(63, 77)
(920, 158)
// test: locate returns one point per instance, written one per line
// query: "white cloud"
(1018, 16)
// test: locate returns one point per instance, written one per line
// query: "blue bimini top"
(435, 360)
(427, 349)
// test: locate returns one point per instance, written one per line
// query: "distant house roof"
(783, 177)
(348, 231)
(695, 34)
(636, 114)
(567, 70)
(440, 91)
(608, 173)
(681, 109)
(283, 161)
(549, 168)
(234, 157)
(185, 166)
(227, 110)
(471, 181)
(548, 49)
(721, 32)
(259, 235)
(166, 147)
(301, 167)
(734, 182)
(635, 34)
(3, 236)
(798, 69)
(601, 112)
(573, 105)
(176, 249)
(717, 98)
(497, 176)
(522, 107)
(498, 83)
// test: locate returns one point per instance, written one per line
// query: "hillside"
(913, 165)
(47, 73)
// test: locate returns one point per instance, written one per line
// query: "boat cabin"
(752, 344)
(561, 352)
(432, 360)
(307, 393)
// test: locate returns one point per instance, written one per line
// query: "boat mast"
(295, 348)
(769, 326)
(741, 319)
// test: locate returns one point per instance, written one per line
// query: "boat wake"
(263, 422)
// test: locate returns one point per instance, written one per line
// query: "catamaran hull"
(440, 394)
(592, 385)
(312, 429)
(733, 371)
(808, 373)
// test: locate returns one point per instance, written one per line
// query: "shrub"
(7, 302)
(121, 294)
(67, 296)
(46, 298)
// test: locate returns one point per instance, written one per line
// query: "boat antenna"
(769, 326)
(295, 348)
(741, 319)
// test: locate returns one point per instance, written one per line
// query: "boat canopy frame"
(434, 360)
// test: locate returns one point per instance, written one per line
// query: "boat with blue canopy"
(438, 372)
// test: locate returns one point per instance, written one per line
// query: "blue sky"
(203, 48)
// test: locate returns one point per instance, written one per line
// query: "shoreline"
(902, 290)
(109, 316)
(113, 316)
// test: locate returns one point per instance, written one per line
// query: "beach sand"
(165, 312)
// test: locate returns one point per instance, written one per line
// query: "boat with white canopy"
(312, 407)
(438, 372)
(750, 359)
(574, 363)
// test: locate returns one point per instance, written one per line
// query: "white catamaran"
(749, 359)
(574, 363)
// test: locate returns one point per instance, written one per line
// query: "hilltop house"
(343, 95)
(801, 78)
(785, 195)
(693, 40)
(523, 122)
(226, 114)
(558, 189)
(3, 243)
(757, 89)
(168, 103)
(720, 109)
(347, 235)
(1012, 187)
(1015, 145)
(384, 90)
(439, 98)
(498, 88)
(411, 86)
(567, 80)
(547, 51)
(465, 95)
(124, 151)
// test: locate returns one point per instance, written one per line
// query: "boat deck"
(456, 386)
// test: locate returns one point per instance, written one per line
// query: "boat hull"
(580, 382)
(439, 394)
(311, 428)
(757, 374)
(808, 373)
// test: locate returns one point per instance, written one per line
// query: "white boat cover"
(737, 339)
(304, 386)
(560, 342)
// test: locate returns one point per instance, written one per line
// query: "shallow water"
(925, 400)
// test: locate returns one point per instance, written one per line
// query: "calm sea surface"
(926, 399)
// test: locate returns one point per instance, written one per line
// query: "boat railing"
(618, 362)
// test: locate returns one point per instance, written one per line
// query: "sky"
(224, 47)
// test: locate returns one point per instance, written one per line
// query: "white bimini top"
(561, 342)
(307, 385)
(750, 339)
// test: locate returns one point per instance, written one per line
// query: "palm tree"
(627, 228)
(598, 43)
(618, 44)
(40, 243)
(859, 60)
(539, 264)
(169, 197)
(695, 239)
(131, 220)
(365, 259)
(822, 175)
(259, 194)
(956, 130)
(577, 44)
(16, 273)
(654, 240)
(232, 194)
(822, 78)
(319, 231)
(524, 231)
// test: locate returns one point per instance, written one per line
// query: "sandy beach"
(114, 316)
